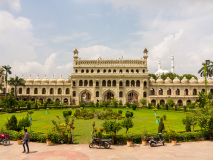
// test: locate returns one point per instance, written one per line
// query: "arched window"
(109, 83)
(73, 83)
(20, 91)
(76, 71)
(92, 71)
(186, 92)
(120, 94)
(120, 71)
(87, 71)
(145, 84)
(43, 91)
(127, 71)
(152, 92)
(104, 71)
(90, 83)
(194, 92)
(114, 83)
(144, 94)
(82, 71)
(109, 71)
(36, 91)
(104, 83)
(143, 70)
(114, 71)
(120, 83)
(85, 82)
(169, 92)
(132, 71)
(97, 94)
(180, 102)
(160, 91)
(98, 71)
(211, 91)
(67, 91)
(177, 92)
(138, 83)
(203, 90)
(59, 91)
(80, 83)
(28, 91)
(127, 83)
(162, 102)
(133, 83)
(137, 71)
(51, 91)
(97, 84)
(73, 93)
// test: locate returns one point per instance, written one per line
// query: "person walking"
(26, 139)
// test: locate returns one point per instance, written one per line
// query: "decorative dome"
(176, 80)
(201, 80)
(184, 80)
(68, 80)
(61, 80)
(45, 80)
(152, 80)
(53, 80)
(210, 80)
(22, 78)
(30, 80)
(193, 80)
(37, 80)
(168, 80)
(159, 80)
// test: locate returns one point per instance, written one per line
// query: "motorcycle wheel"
(151, 144)
(91, 145)
(107, 145)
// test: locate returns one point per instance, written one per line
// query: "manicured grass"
(143, 120)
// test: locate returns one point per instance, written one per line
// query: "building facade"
(101, 80)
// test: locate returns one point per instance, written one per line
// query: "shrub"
(158, 106)
(29, 105)
(24, 122)
(91, 104)
(167, 107)
(188, 126)
(120, 103)
(149, 105)
(127, 123)
(12, 123)
(129, 114)
(67, 113)
(127, 104)
(105, 104)
(82, 105)
(120, 111)
(45, 104)
(134, 106)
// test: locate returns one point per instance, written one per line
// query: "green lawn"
(143, 119)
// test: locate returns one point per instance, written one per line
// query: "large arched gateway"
(108, 95)
(132, 97)
(85, 97)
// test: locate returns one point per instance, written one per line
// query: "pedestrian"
(26, 139)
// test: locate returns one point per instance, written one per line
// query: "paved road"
(39, 151)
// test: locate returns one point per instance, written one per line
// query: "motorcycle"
(156, 140)
(106, 143)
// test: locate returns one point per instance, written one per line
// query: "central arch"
(132, 97)
(108, 95)
(85, 97)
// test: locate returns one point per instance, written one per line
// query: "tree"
(170, 102)
(127, 123)
(7, 70)
(24, 122)
(143, 102)
(16, 82)
(188, 76)
(9, 102)
(114, 102)
(153, 76)
(12, 123)
(161, 126)
(209, 70)
(204, 98)
(170, 75)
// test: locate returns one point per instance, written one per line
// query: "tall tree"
(153, 76)
(170, 75)
(1, 74)
(209, 70)
(7, 70)
(16, 82)
(188, 76)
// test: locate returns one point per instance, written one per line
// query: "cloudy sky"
(38, 36)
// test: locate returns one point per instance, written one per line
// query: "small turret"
(145, 51)
(75, 51)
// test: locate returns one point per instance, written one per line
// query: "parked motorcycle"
(106, 143)
(156, 140)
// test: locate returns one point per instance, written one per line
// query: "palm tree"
(209, 70)
(16, 82)
(1, 74)
(7, 70)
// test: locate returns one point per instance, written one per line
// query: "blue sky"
(38, 37)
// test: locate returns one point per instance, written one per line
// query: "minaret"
(75, 51)
(172, 64)
(159, 66)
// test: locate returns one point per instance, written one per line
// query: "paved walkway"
(39, 151)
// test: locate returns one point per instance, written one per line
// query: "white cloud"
(13, 4)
